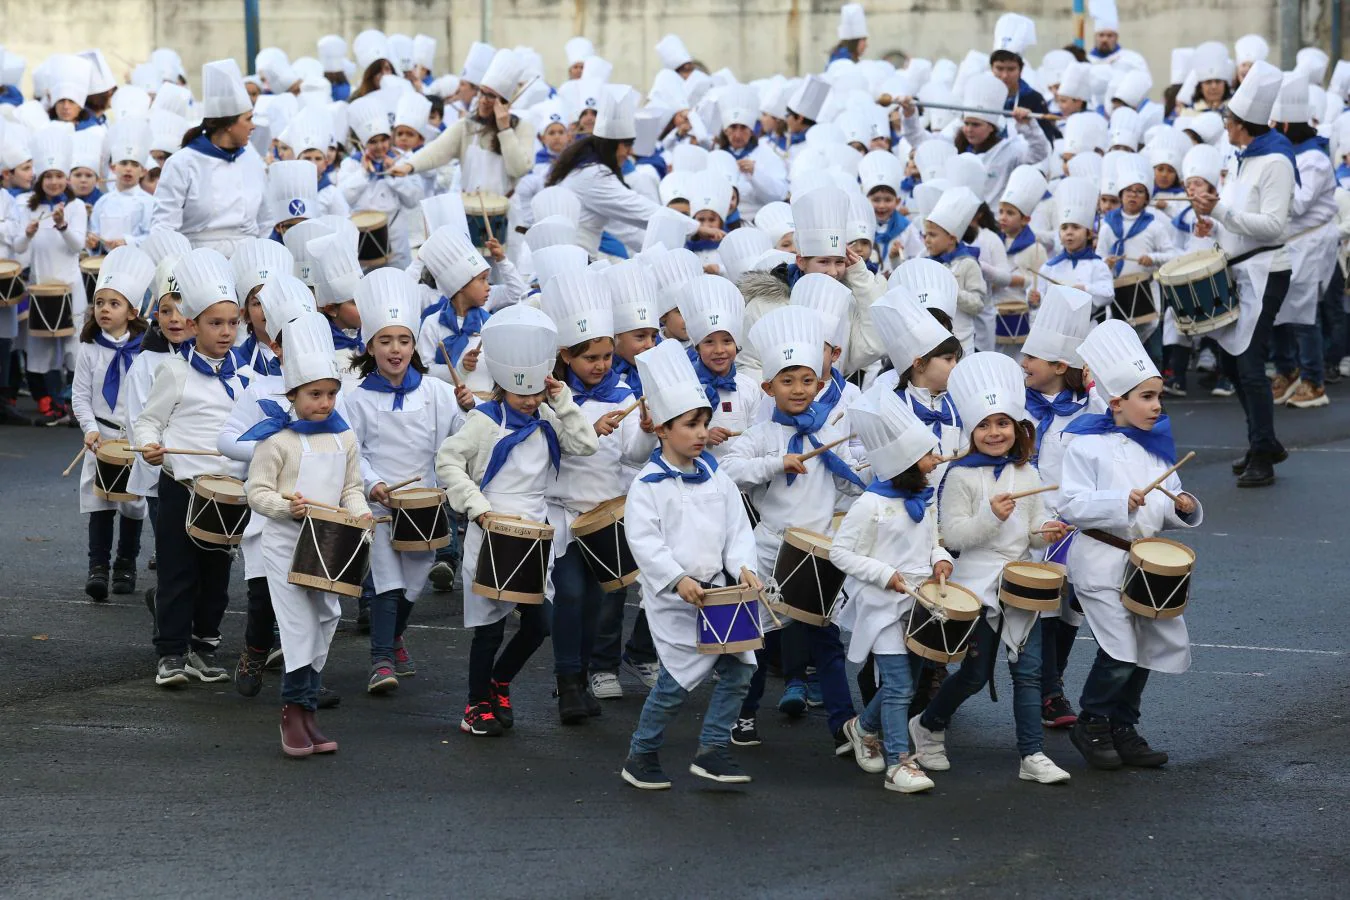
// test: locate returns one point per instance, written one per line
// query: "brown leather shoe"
(321, 743)
(295, 739)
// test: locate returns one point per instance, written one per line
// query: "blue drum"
(1012, 323)
(728, 621)
(1200, 292)
(485, 211)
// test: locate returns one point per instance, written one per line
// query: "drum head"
(1012, 308)
(50, 289)
(369, 219)
(219, 487)
(959, 602)
(91, 265)
(1192, 266)
(415, 498)
(10, 269)
(484, 204)
(518, 526)
(1162, 556)
(602, 516)
(116, 452)
(1132, 279)
(1034, 575)
(810, 542)
(723, 596)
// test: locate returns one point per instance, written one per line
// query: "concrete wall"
(753, 37)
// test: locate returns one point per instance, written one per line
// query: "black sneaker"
(1258, 473)
(124, 576)
(248, 672)
(328, 698)
(501, 703)
(643, 771)
(96, 585)
(716, 764)
(172, 671)
(1057, 712)
(1134, 750)
(442, 577)
(480, 721)
(1092, 737)
(744, 733)
(150, 601)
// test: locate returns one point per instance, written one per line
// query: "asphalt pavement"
(112, 787)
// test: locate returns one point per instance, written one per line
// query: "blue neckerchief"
(610, 389)
(92, 197)
(11, 95)
(916, 502)
(908, 183)
(807, 424)
(275, 419)
(700, 474)
(656, 161)
(974, 459)
(834, 391)
(90, 121)
(412, 380)
(1021, 241)
(1083, 255)
(544, 156)
(1116, 219)
(613, 246)
(519, 428)
(123, 355)
(435, 308)
(779, 141)
(628, 167)
(252, 351)
(1044, 411)
(888, 232)
(961, 250)
(52, 202)
(184, 348)
(712, 383)
(1174, 189)
(1179, 221)
(324, 181)
(341, 340)
(797, 137)
(733, 220)
(793, 274)
(276, 236)
(629, 373)
(945, 414)
(741, 153)
(452, 348)
(1159, 441)
(1343, 174)
(227, 370)
(701, 244)
(840, 52)
(1314, 144)
(1022, 89)
(1270, 143)
(14, 191)
(340, 92)
(202, 144)
(1100, 55)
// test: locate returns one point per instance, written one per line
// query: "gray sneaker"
(171, 672)
(203, 665)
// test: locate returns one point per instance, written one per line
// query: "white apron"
(1312, 256)
(392, 569)
(980, 571)
(1250, 279)
(1162, 645)
(306, 618)
(481, 170)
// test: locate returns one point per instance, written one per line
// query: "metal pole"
(1289, 32)
(486, 12)
(1336, 29)
(251, 32)
(1078, 24)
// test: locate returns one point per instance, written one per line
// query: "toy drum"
(1133, 301)
(217, 510)
(1157, 581)
(1032, 586)
(751, 512)
(112, 469)
(493, 207)
(333, 552)
(51, 313)
(1012, 322)
(12, 287)
(1198, 290)
(420, 520)
(939, 628)
(728, 621)
(604, 544)
(90, 267)
(513, 561)
(372, 239)
(808, 583)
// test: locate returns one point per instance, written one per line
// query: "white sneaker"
(1206, 361)
(647, 673)
(1344, 366)
(605, 686)
(1038, 767)
(907, 778)
(866, 747)
(930, 748)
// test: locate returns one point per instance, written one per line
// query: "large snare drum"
(112, 469)
(333, 552)
(217, 510)
(495, 208)
(604, 543)
(420, 520)
(1157, 581)
(1134, 299)
(372, 239)
(12, 287)
(808, 583)
(513, 561)
(52, 314)
(1012, 322)
(1032, 586)
(1199, 291)
(728, 621)
(90, 267)
(940, 627)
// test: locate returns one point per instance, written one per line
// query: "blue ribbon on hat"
(807, 424)
(123, 355)
(519, 427)
(412, 380)
(276, 419)
(704, 466)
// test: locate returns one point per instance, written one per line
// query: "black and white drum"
(12, 286)
(90, 267)
(420, 520)
(513, 561)
(808, 583)
(333, 552)
(112, 471)
(1032, 586)
(1133, 299)
(217, 510)
(939, 627)
(51, 313)
(1157, 582)
(372, 238)
(604, 544)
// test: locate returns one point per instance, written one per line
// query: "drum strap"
(1107, 538)
(1243, 257)
(993, 658)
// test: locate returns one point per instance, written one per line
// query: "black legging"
(485, 666)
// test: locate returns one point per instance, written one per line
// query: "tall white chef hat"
(669, 228)
(1014, 33)
(310, 355)
(550, 231)
(520, 346)
(579, 305)
(776, 220)
(1292, 104)
(1104, 15)
(297, 240)
(293, 189)
(852, 22)
(985, 91)
(1062, 321)
(709, 304)
(932, 284)
(985, 384)
(284, 297)
(503, 73)
(204, 279)
(556, 200)
(476, 62)
(633, 292)
(129, 139)
(577, 49)
(1026, 187)
(615, 118)
(52, 148)
(445, 210)
(1076, 202)
(387, 298)
(669, 384)
(672, 52)
(810, 95)
(954, 210)
(1251, 48)
(223, 93)
(830, 299)
(1116, 358)
(893, 436)
(907, 329)
(789, 336)
(740, 249)
(257, 259)
(1076, 81)
(557, 259)
(128, 271)
(1255, 97)
(821, 218)
(452, 259)
(332, 52)
(1203, 161)
(674, 270)
(68, 78)
(880, 168)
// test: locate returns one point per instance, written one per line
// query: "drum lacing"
(815, 570)
(499, 583)
(618, 554)
(366, 537)
(771, 593)
(190, 521)
(427, 538)
(1131, 569)
(731, 623)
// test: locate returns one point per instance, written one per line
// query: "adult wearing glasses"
(494, 148)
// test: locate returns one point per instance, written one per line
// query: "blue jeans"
(667, 697)
(1297, 350)
(803, 644)
(389, 614)
(1057, 637)
(452, 551)
(772, 647)
(302, 686)
(609, 646)
(1113, 690)
(888, 711)
(1248, 371)
(577, 599)
(975, 672)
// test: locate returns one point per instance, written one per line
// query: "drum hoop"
(497, 582)
(581, 527)
(213, 495)
(743, 604)
(812, 549)
(595, 559)
(431, 497)
(308, 526)
(505, 523)
(1157, 607)
(1030, 582)
(1164, 569)
(401, 514)
(91, 265)
(112, 445)
(370, 218)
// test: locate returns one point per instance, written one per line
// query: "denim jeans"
(804, 644)
(1057, 637)
(1153, 345)
(667, 697)
(389, 614)
(772, 647)
(1297, 350)
(577, 599)
(1113, 690)
(609, 645)
(1331, 313)
(975, 672)
(101, 537)
(888, 710)
(1248, 371)
(302, 686)
(452, 551)
(486, 667)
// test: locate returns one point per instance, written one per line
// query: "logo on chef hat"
(297, 207)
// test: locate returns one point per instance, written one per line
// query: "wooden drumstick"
(520, 90)
(309, 502)
(1067, 531)
(78, 456)
(380, 520)
(955, 456)
(830, 446)
(177, 451)
(1035, 274)
(482, 211)
(454, 376)
(1171, 496)
(402, 484)
(1163, 477)
(1033, 492)
(732, 434)
(627, 409)
(942, 585)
